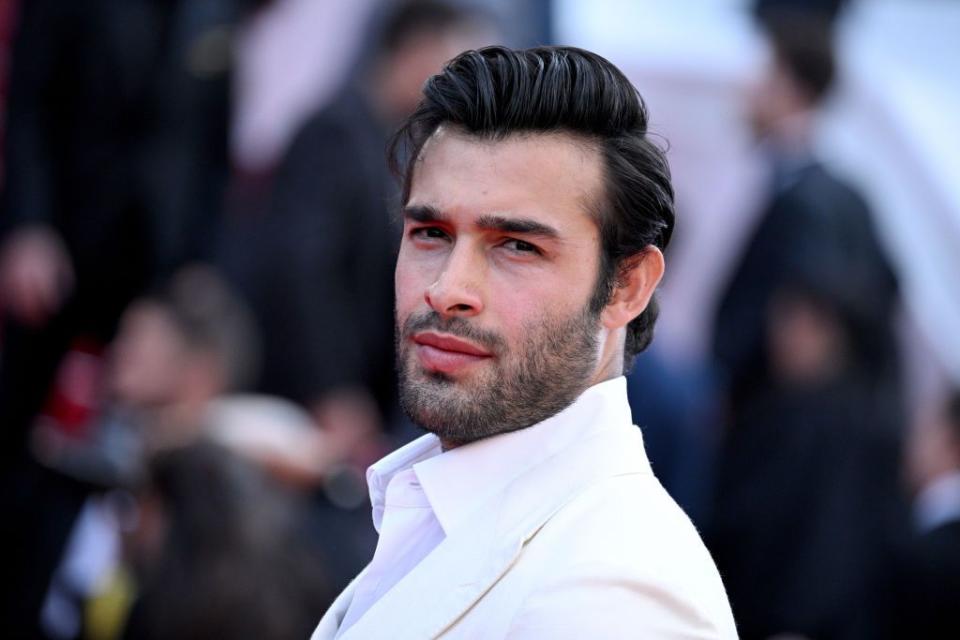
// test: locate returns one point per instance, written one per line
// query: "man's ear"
(635, 284)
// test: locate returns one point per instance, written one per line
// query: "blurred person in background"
(924, 584)
(179, 360)
(318, 270)
(217, 552)
(177, 351)
(115, 151)
(814, 226)
(179, 357)
(806, 504)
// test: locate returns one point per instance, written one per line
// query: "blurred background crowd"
(196, 345)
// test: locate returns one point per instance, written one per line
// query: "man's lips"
(447, 354)
(449, 343)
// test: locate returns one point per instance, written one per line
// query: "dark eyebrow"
(426, 214)
(517, 225)
(423, 213)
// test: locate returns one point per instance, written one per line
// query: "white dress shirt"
(409, 530)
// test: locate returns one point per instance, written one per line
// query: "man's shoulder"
(630, 520)
(623, 548)
(818, 190)
(600, 497)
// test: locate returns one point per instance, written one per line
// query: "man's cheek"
(405, 286)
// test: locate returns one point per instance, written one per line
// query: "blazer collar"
(482, 549)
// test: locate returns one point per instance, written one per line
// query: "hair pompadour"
(495, 92)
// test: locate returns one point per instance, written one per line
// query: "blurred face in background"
(421, 55)
(806, 339)
(498, 262)
(773, 99)
(149, 358)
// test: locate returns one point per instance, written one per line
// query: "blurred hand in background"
(36, 275)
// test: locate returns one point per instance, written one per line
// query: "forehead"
(550, 176)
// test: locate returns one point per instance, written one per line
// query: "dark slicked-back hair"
(497, 92)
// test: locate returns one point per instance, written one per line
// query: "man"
(806, 496)
(535, 215)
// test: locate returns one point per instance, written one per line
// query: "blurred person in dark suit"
(806, 504)
(925, 582)
(116, 153)
(319, 269)
(115, 149)
(814, 227)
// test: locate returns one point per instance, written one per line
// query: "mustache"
(431, 321)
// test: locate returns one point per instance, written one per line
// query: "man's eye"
(521, 246)
(428, 233)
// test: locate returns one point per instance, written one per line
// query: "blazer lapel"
(449, 581)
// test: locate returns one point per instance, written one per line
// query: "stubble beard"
(522, 386)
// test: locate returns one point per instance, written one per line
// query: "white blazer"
(584, 545)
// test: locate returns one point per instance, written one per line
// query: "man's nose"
(456, 292)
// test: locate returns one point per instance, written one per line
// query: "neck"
(610, 364)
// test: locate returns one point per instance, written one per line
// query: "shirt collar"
(458, 480)
(381, 472)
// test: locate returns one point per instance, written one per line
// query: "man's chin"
(432, 399)
(440, 388)
(438, 377)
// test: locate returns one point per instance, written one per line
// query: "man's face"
(498, 262)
